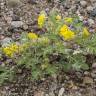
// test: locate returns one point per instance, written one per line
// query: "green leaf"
(84, 66)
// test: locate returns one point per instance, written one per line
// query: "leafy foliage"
(6, 74)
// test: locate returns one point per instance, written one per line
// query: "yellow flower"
(58, 17)
(68, 20)
(85, 32)
(41, 20)
(66, 33)
(11, 50)
(7, 51)
(64, 28)
(32, 36)
(14, 47)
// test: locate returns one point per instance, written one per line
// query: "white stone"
(91, 21)
(46, 95)
(51, 94)
(16, 24)
(83, 3)
(61, 91)
(5, 42)
(94, 65)
(89, 8)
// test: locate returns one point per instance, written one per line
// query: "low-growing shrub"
(64, 46)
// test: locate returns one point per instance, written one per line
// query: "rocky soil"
(18, 16)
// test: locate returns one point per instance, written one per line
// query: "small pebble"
(46, 95)
(86, 73)
(93, 75)
(89, 9)
(16, 24)
(6, 41)
(87, 80)
(13, 3)
(51, 94)
(91, 21)
(94, 80)
(93, 13)
(61, 91)
(83, 3)
(15, 18)
(94, 65)
(25, 27)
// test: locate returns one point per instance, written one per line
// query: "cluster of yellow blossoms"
(41, 20)
(32, 35)
(66, 33)
(11, 50)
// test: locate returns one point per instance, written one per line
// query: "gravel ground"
(21, 16)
